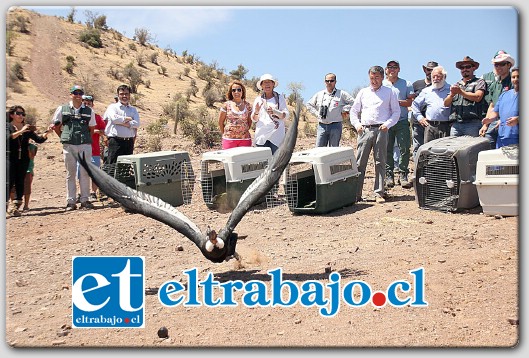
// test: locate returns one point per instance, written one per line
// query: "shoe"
(380, 198)
(390, 182)
(87, 205)
(404, 181)
(71, 207)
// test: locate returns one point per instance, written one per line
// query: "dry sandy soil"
(471, 261)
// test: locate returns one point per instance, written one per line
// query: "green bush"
(91, 37)
(18, 71)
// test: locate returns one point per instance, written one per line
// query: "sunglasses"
(330, 81)
(465, 67)
(20, 114)
(77, 93)
(233, 90)
(393, 67)
(501, 64)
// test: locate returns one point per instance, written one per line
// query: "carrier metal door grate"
(438, 182)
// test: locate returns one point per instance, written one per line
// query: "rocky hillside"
(46, 57)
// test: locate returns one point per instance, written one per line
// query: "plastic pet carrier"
(167, 175)
(225, 174)
(445, 171)
(321, 179)
(497, 181)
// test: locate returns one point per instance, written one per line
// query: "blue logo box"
(108, 291)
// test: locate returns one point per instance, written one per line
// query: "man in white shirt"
(123, 122)
(379, 108)
(330, 106)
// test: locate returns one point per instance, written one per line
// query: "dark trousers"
(270, 145)
(436, 130)
(17, 175)
(119, 146)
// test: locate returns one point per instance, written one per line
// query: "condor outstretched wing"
(268, 178)
(145, 204)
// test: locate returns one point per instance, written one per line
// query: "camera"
(323, 111)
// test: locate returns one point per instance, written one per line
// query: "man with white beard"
(436, 123)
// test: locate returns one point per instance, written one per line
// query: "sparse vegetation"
(71, 15)
(10, 45)
(134, 77)
(143, 36)
(70, 64)
(21, 23)
(162, 70)
(18, 71)
(239, 73)
(202, 129)
(153, 57)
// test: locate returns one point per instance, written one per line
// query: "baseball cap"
(393, 61)
(76, 88)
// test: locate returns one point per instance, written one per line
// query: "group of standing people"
(79, 129)
(486, 106)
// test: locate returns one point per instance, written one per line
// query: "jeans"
(418, 136)
(71, 170)
(270, 145)
(372, 138)
(492, 134)
(329, 134)
(401, 133)
(470, 128)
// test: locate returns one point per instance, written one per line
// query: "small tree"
(295, 92)
(71, 15)
(239, 73)
(143, 36)
(133, 75)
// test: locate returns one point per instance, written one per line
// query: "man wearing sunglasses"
(74, 123)
(330, 106)
(498, 81)
(466, 100)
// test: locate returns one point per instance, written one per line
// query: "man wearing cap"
(418, 86)
(330, 106)
(123, 121)
(498, 81)
(74, 123)
(467, 100)
(400, 132)
(506, 110)
(379, 109)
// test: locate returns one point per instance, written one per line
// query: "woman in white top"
(269, 113)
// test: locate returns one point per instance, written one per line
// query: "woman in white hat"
(269, 113)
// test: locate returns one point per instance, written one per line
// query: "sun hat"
(502, 56)
(265, 77)
(430, 65)
(467, 59)
(76, 88)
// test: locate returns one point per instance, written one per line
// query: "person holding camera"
(20, 133)
(269, 114)
(74, 123)
(330, 106)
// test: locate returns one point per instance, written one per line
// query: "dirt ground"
(470, 260)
